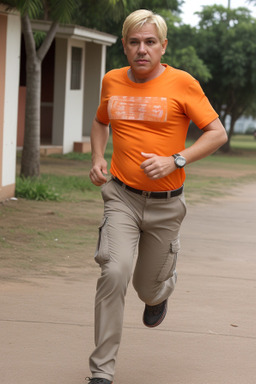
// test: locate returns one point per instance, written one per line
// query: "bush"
(34, 189)
(250, 130)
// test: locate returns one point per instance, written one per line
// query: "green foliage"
(34, 189)
(226, 43)
(39, 38)
(54, 10)
(180, 52)
(66, 184)
(250, 131)
(53, 187)
(33, 7)
(90, 15)
(62, 10)
(187, 59)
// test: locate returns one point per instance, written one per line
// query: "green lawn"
(243, 142)
(217, 174)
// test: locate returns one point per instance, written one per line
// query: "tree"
(180, 52)
(226, 42)
(58, 11)
(89, 14)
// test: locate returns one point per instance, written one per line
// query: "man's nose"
(142, 47)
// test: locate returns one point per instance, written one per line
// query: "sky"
(191, 6)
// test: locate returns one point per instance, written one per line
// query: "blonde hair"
(140, 17)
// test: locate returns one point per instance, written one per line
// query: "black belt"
(153, 195)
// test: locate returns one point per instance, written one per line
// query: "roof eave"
(76, 31)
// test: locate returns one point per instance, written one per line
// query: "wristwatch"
(179, 160)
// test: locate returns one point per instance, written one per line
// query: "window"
(76, 66)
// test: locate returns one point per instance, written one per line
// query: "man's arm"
(214, 136)
(99, 139)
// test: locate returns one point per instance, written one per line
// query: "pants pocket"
(169, 267)
(101, 255)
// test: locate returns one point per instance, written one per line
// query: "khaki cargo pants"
(132, 225)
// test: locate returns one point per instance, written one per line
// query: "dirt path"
(47, 293)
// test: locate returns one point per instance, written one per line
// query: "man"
(149, 106)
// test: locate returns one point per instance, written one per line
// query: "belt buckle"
(146, 193)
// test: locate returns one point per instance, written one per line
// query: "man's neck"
(138, 79)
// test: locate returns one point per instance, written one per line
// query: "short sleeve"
(102, 111)
(197, 106)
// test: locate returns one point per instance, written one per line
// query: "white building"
(10, 29)
(72, 73)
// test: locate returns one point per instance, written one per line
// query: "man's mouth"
(141, 61)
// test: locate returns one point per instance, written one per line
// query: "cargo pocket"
(169, 267)
(101, 255)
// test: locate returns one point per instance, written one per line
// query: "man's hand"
(99, 139)
(156, 167)
(97, 172)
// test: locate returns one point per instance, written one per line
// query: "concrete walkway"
(208, 336)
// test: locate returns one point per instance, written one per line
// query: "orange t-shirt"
(151, 117)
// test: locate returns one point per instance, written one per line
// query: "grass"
(84, 156)
(35, 189)
(55, 186)
(216, 175)
(247, 142)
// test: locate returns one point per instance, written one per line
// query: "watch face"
(180, 161)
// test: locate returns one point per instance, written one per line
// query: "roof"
(6, 9)
(76, 31)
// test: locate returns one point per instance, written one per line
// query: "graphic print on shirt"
(137, 108)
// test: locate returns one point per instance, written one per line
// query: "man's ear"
(164, 46)
(123, 42)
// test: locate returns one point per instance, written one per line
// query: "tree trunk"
(30, 162)
(226, 147)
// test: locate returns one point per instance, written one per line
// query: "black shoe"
(97, 380)
(154, 314)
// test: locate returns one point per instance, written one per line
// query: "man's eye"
(151, 42)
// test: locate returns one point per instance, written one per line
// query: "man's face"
(144, 51)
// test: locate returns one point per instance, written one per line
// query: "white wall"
(74, 110)
(11, 100)
(68, 103)
(95, 60)
(73, 118)
(60, 79)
